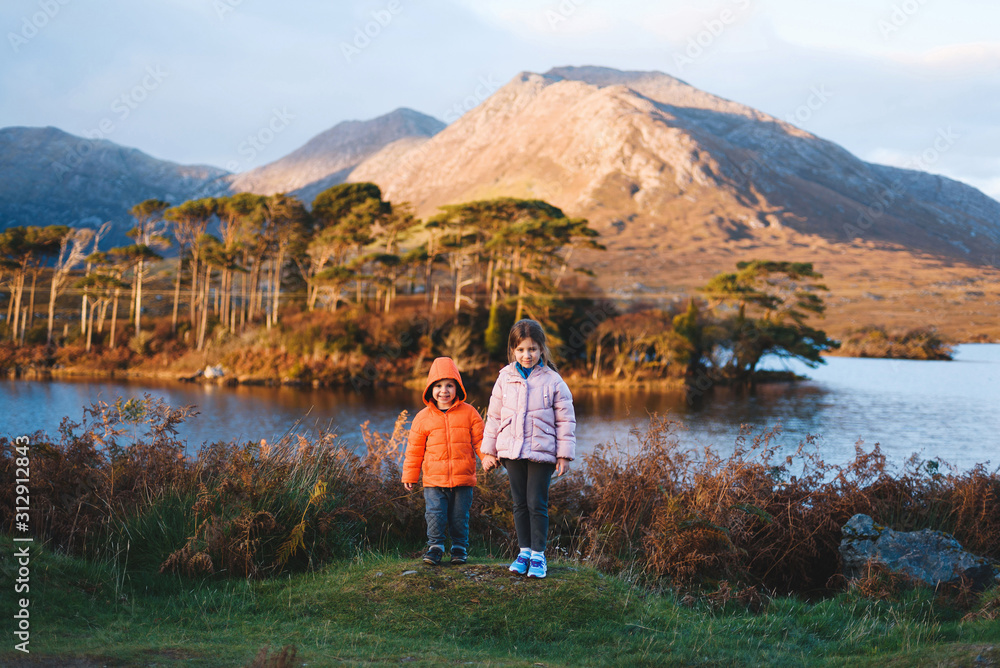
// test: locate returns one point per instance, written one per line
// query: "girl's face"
(527, 353)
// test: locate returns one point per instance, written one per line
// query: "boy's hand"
(490, 462)
(409, 486)
(562, 466)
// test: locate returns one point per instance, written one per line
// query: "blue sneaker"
(433, 555)
(538, 568)
(520, 565)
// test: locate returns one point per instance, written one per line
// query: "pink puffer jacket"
(530, 419)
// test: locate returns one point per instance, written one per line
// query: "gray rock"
(214, 371)
(927, 556)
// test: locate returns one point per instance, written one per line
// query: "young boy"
(444, 441)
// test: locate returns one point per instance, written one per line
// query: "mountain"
(328, 158)
(51, 177)
(657, 164)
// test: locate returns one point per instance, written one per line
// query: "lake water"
(949, 410)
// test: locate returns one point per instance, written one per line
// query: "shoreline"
(575, 381)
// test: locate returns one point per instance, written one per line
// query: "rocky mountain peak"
(327, 159)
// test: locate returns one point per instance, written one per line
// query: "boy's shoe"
(433, 556)
(459, 556)
(520, 565)
(537, 568)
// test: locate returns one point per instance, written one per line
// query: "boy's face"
(527, 353)
(444, 392)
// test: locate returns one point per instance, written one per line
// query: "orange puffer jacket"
(444, 443)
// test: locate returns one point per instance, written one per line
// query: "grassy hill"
(381, 609)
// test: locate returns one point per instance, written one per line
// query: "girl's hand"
(562, 466)
(490, 462)
(409, 486)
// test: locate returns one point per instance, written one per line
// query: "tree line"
(241, 257)
(348, 249)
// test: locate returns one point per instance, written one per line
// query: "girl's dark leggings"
(529, 488)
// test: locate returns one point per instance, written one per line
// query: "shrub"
(921, 343)
(122, 486)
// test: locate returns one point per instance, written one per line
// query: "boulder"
(214, 371)
(927, 556)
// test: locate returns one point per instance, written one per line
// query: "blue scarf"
(521, 370)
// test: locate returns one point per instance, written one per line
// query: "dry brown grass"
(757, 519)
(284, 658)
(922, 343)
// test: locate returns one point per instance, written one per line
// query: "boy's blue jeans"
(447, 513)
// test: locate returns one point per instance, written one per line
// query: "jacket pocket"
(543, 436)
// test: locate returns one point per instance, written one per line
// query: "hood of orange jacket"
(443, 368)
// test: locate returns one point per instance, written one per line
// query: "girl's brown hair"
(529, 329)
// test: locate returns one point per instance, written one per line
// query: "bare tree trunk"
(24, 324)
(31, 300)
(278, 267)
(204, 308)
(193, 305)
(244, 305)
(217, 300)
(103, 315)
(131, 297)
(458, 288)
(597, 362)
(177, 294)
(16, 302)
(10, 302)
(138, 294)
(114, 317)
(520, 299)
(90, 325)
(494, 292)
(311, 293)
(52, 309)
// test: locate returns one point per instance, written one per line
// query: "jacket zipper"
(447, 443)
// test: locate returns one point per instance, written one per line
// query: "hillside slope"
(50, 177)
(328, 158)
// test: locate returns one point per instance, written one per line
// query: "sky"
(193, 81)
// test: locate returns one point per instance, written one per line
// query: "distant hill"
(656, 162)
(328, 158)
(50, 177)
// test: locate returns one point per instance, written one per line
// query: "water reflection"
(940, 409)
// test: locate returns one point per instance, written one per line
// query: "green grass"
(366, 610)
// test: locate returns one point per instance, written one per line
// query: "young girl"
(530, 427)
